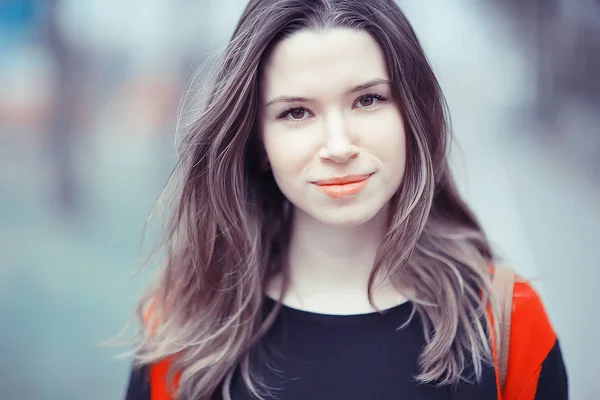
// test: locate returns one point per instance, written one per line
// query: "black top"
(351, 357)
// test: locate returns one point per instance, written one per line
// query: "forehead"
(322, 62)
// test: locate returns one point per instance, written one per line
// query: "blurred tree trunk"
(60, 134)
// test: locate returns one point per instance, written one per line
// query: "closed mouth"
(346, 186)
(344, 180)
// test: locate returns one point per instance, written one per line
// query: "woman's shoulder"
(528, 310)
(533, 344)
(529, 316)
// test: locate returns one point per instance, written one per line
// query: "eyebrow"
(358, 88)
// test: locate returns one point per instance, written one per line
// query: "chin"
(347, 218)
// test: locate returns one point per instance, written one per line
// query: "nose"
(338, 145)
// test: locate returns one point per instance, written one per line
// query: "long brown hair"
(229, 226)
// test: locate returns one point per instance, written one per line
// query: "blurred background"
(89, 93)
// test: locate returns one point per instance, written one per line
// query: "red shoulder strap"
(160, 388)
(531, 338)
(503, 283)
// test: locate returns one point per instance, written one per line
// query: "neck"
(329, 267)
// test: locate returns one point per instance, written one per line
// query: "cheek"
(289, 151)
(386, 139)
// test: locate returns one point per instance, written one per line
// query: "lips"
(344, 180)
(345, 186)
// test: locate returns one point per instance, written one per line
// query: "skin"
(327, 113)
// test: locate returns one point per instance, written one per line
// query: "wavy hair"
(229, 225)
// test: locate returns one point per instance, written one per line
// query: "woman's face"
(333, 136)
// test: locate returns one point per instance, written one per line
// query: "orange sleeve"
(531, 339)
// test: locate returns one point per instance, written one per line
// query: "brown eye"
(297, 113)
(367, 101)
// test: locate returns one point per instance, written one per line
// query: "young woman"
(318, 248)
